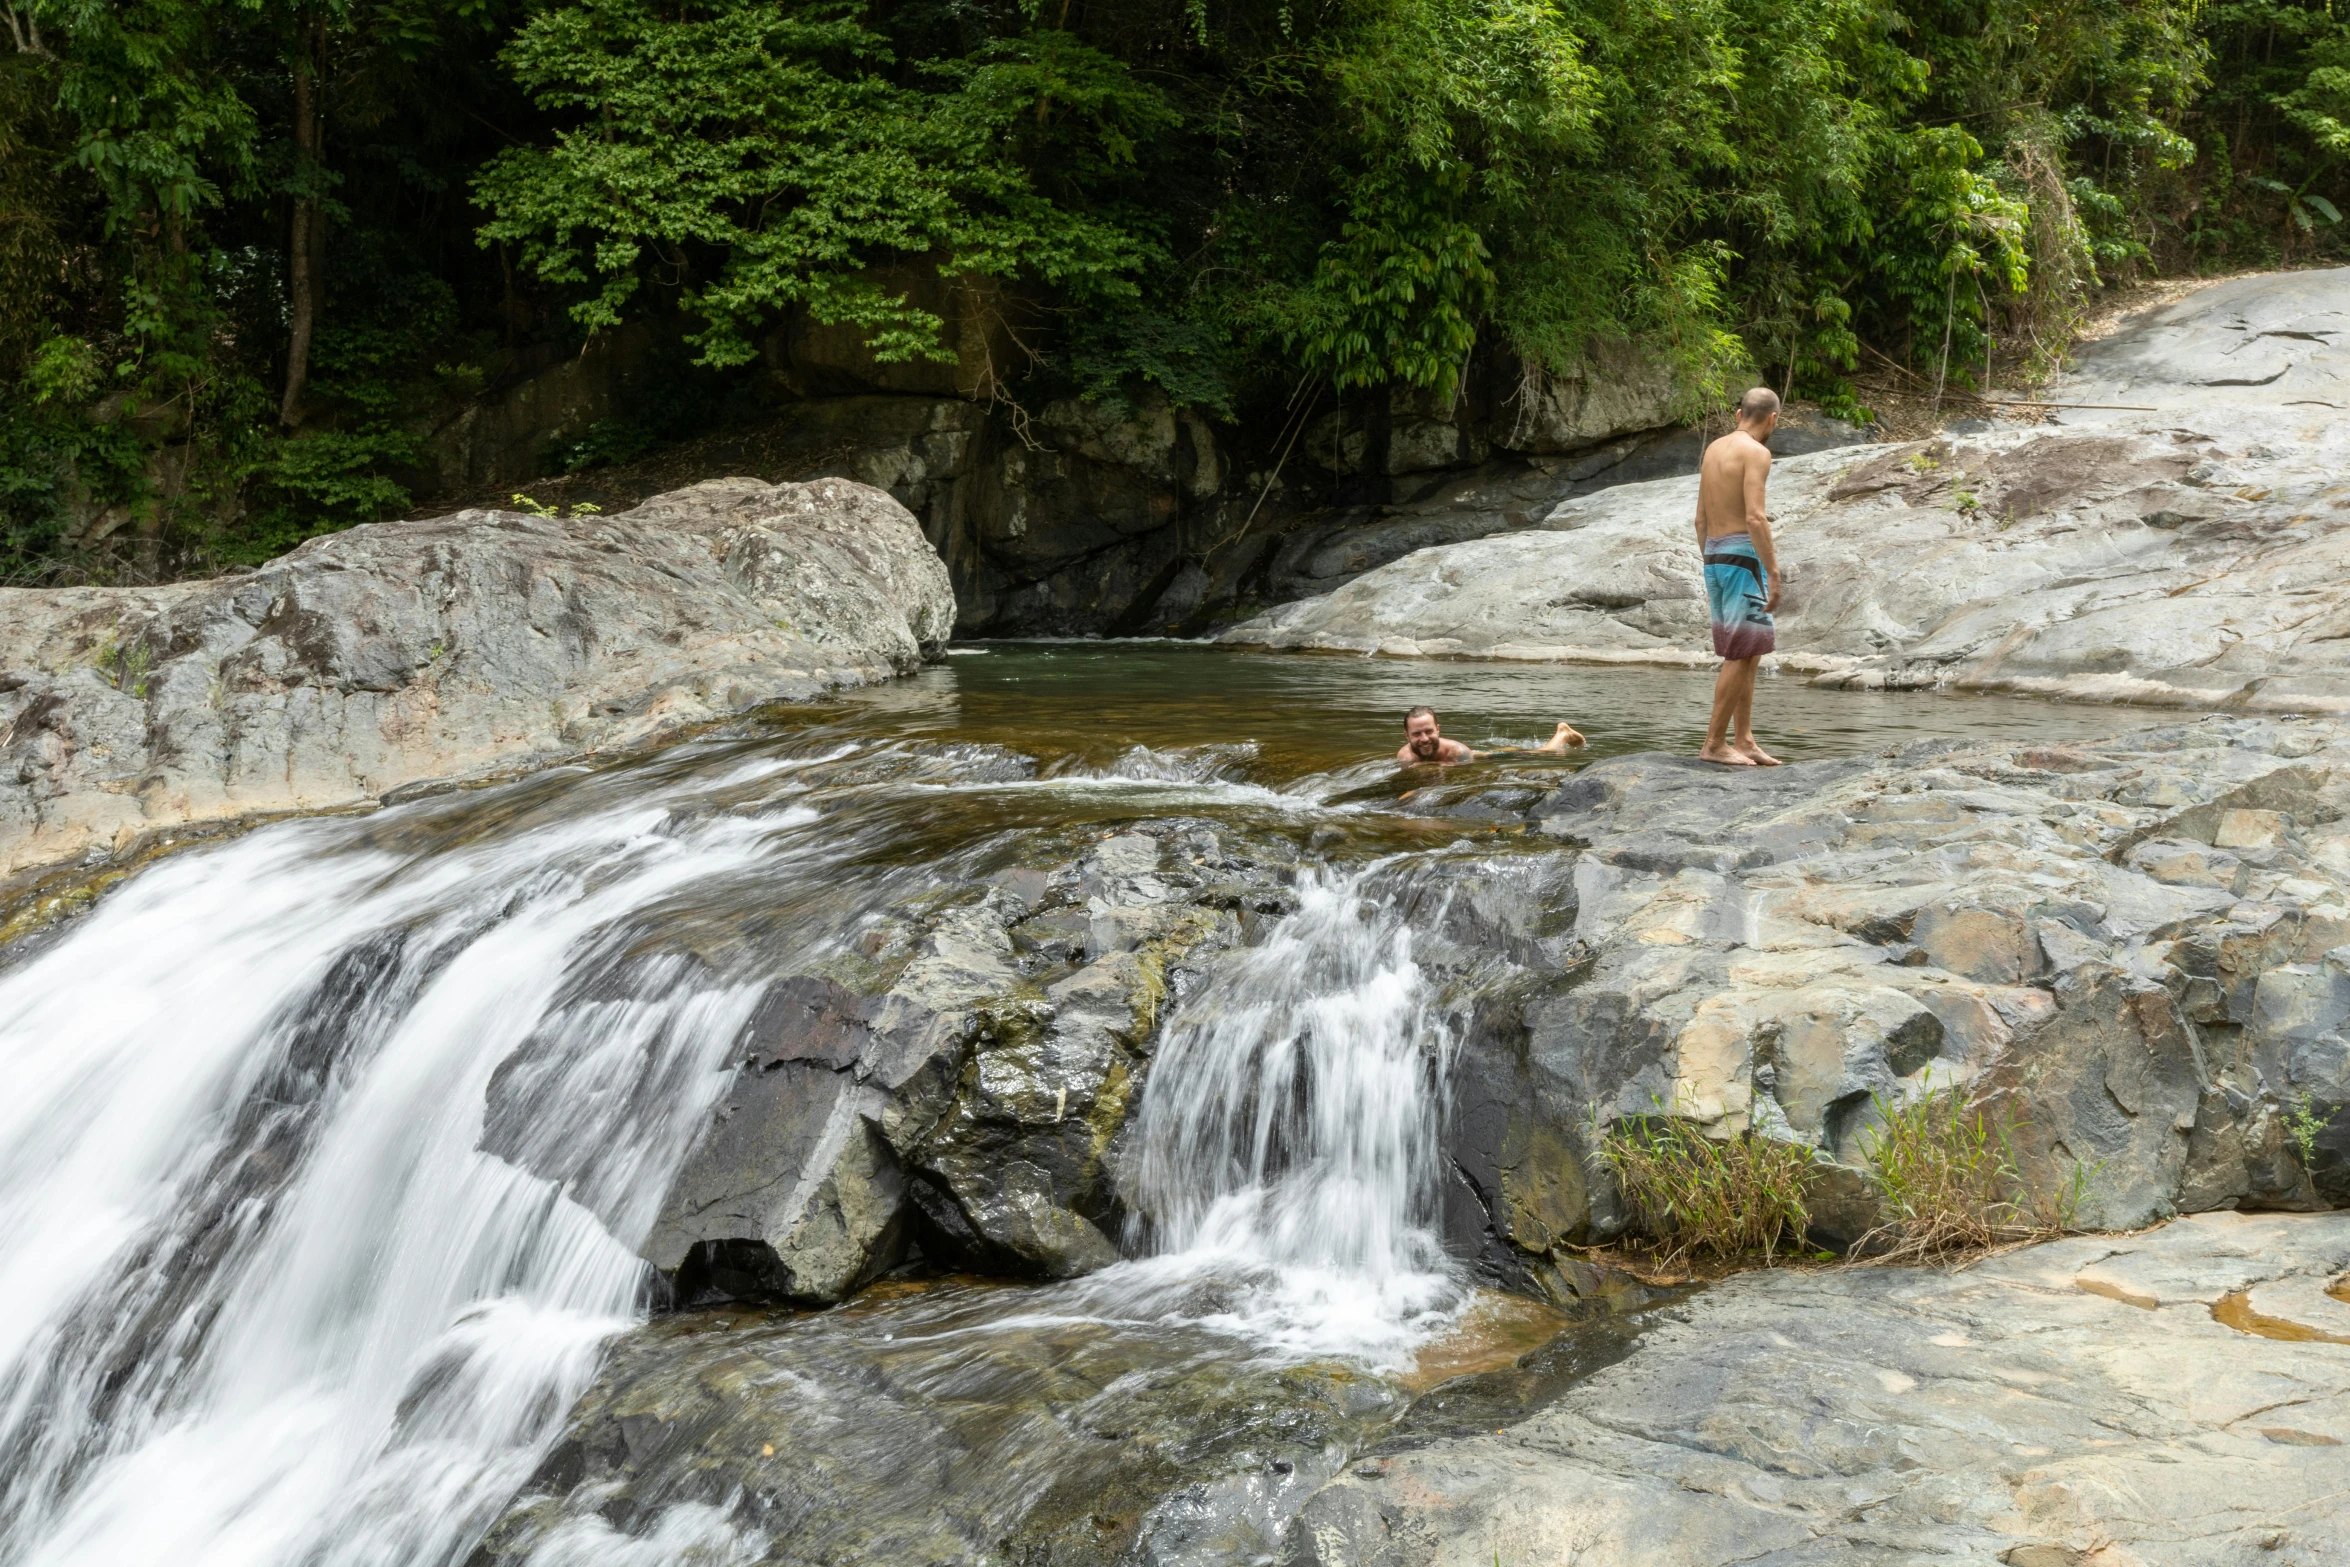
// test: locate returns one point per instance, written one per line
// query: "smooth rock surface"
(2079, 1404)
(485, 641)
(2273, 340)
(2198, 555)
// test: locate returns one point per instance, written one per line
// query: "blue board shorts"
(1736, 591)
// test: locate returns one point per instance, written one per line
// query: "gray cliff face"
(1077, 519)
(2195, 555)
(485, 641)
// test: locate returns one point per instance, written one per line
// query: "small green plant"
(2306, 209)
(2303, 1124)
(1692, 1193)
(534, 507)
(437, 652)
(1922, 462)
(1967, 501)
(125, 667)
(1952, 1184)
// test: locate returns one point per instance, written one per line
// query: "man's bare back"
(1741, 574)
(1730, 491)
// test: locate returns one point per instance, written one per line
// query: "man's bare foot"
(1752, 750)
(1728, 756)
(1568, 735)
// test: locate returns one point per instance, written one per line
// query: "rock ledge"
(485, 641)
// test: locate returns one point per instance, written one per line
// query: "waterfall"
(262, 1297)
(1289, 1132)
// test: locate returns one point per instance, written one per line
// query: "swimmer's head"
(1421, 734)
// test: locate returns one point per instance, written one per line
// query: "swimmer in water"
(1424, 742)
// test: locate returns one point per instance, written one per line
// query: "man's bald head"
(1758, 406)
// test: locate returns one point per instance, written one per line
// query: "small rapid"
(1290, 1136)
(329, 1149)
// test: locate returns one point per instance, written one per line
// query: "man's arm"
(1758, 522)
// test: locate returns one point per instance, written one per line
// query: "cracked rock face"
(2173, 1399)
(485, 641)
(2195, 555)
(2058, 930)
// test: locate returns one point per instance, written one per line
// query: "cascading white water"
(262, 1298)
(327, 1151)
(1289, 1132)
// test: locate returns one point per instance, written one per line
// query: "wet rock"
(967, 1098)
(2172, 1398)
(963, 1424)
(376, 659)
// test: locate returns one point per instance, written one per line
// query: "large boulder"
(964, 1085)
(2133, 954)
(372, 660)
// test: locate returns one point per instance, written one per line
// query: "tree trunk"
(305, 249)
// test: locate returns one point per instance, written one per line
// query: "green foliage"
(1727, 1197)
(1231, 203)
(1951, 1183)
(2304, 1123)
(749, 157)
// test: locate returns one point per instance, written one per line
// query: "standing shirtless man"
(1741, 574)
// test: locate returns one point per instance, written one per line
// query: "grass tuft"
(1692, 1194)
(1949, 1178)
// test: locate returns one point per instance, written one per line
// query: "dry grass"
(1696, 1196)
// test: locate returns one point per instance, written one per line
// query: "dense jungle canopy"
(247, 247)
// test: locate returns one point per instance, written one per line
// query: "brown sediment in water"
(2236, 1311)
(1497, 1330)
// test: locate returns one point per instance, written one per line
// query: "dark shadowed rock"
(970, 1098)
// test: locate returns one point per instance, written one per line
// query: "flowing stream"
(266, 1298)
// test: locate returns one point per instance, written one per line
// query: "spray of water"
(1289, 1135)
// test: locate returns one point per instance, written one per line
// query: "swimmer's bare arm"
(1758, 522)
(1568, 735)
